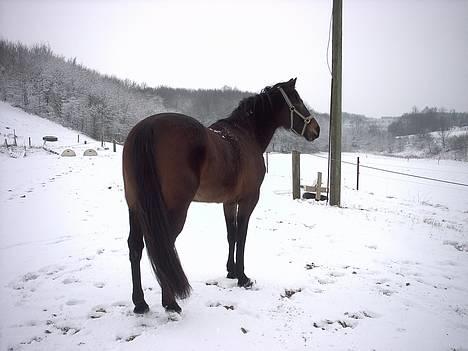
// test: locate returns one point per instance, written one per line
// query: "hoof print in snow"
(458, 246)
(68, 330)
(67, 281)
(361, 314)
(97, 313)
(325, 281)
(128, 338)
(33, 340)
(227, 306)
(310, 266)
(30, 276)
(387, 292)
(328, 324)
(346, 324)
(288, 293)
(131, 338)
(324, 325)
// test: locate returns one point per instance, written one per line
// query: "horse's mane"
(258, 105)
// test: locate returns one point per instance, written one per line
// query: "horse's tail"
(152, 215)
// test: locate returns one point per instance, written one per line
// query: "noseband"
(293, 111)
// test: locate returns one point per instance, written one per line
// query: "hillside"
(41, 82)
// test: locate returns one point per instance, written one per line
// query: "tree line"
(37, 80)
(43, 83)
(430, 119)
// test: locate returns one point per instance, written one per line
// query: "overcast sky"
(396, 54)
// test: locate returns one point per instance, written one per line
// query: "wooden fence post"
(29, 141)
(6, 142)
(318, 189)
(14, 137)
(357, 174)
(78, 138)
(296, 174)
(102, 140)
(114, 147)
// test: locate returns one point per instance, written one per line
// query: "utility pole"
(335, 108)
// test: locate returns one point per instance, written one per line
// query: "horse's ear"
(292, 82)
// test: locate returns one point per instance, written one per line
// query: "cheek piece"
(294, 111)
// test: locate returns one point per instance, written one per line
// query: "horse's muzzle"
(313, 131)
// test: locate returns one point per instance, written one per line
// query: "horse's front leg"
(230, 215)
(135, 246)
(246, 206)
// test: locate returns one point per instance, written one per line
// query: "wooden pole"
(296, 174)
(318, 188)
(29, 141)
(114, 147)
(102, 140)
(14, 138)
(78, 138)
(357, 174)
(335, 108)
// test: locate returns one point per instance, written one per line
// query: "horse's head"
(293, 114)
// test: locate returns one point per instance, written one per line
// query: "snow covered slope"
(30, 126)
(387, 271)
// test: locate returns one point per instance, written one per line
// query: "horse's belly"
(211, 195)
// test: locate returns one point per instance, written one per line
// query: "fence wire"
(397, 172)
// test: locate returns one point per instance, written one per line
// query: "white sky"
(396, 54)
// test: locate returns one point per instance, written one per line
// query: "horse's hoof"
(174, 312)
(245, 283)
(173, 307)
(141, 308)
(174, 316)
(231, 275)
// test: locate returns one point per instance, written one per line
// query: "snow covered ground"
(387, 271)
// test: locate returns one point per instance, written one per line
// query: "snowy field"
(387, 271)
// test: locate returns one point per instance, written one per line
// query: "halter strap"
(293, 110)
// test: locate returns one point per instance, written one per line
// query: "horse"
(170, 160)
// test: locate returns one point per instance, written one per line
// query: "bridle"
(293, 110)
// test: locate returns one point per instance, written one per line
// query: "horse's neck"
(258, 128)
(264, 133)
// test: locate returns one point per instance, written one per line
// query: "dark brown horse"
(170, 160)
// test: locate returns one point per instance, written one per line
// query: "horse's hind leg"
(230, 214)
(177, 217)
(135, 246)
